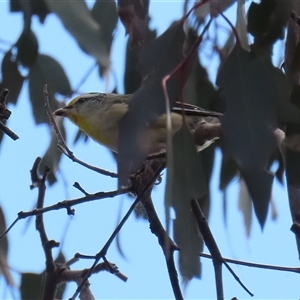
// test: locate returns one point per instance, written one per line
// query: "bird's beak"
(62, 112)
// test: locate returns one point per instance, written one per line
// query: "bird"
(98, 115)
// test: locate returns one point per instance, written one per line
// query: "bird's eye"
(81, 100)
(97, 98)
(90, 99)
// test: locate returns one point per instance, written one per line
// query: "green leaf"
(198, 89)
(287, 112)
(27, 46)
(133, 15)
(106, 15)
(267, 20)
(31, 286)
(185, 181)
(295, 63)
(292, 161)
(229, 170)
(132, 78)
(11, 78)
(61, 287)
(245, 206)
(46, 70)
(4, 266)
(78, 20)
(38, 8)
(247, 86)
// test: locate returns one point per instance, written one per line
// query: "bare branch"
(256, 265)
(51, 283)
(5, 114)
(67, 204)
(103, 251)
(211, 245)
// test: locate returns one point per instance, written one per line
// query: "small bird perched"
(98, 115)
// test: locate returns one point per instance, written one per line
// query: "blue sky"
(92, 224)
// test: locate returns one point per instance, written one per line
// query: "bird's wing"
(193, 110)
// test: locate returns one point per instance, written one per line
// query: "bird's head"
(87, 111)
(80, 107)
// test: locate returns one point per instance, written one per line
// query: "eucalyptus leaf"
(46, 70)
(247, 86)
(185, 181)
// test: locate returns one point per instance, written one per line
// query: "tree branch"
(211, 245)
(51, 275)
(5, 114)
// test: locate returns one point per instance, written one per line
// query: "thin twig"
(256, 265)
(103, 251)
(9, 228)
(237, 278)
(67, 152)
(212, 246)
(8, 131)
(67, 204)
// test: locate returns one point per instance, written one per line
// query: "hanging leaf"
(148, 103)
(11, 78)
(27, 48)
(78, 20)
(31, 286)
(60, 260)
(267, 20)
(38, 8)
(132, 78)
(106, 15)
(185, 181)
(4, 266)
(249, 121)
(287, 112)
(245, 206)
(133, 15)
(46, 70)
(229, 170)
(198, 90)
